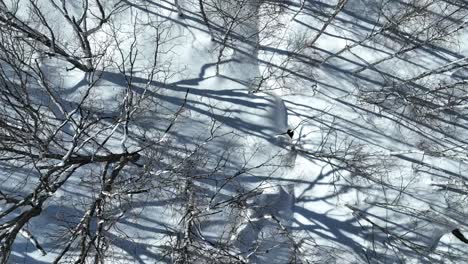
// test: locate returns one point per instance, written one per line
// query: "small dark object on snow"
(459, 235)
(290, 133)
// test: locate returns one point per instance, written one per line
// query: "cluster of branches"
(230, 22)
(217, 225)
(64, 139)
(44, 35)
(59, 138)
(433, 100)
(429, 102)
(212, 204)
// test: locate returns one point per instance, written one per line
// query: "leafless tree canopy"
(118, 145)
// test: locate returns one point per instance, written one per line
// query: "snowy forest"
(233, 131)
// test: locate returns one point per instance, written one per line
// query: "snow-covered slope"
(375, 171)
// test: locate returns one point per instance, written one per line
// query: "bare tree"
(225, 201)
(205, 17)
(393, 21)
(58, 138)
(339, 7)
(92, 18)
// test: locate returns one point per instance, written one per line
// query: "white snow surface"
(301, 203)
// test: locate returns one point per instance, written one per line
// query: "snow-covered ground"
(367, 177)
